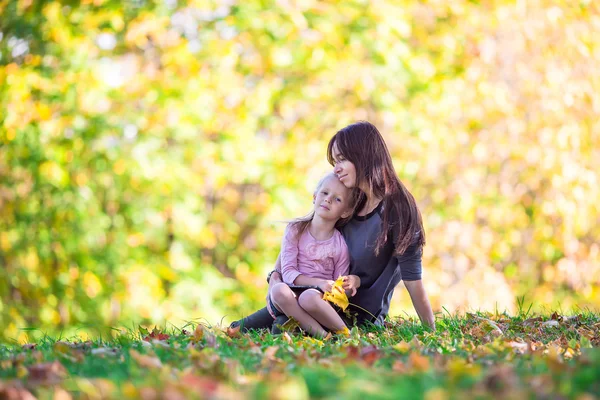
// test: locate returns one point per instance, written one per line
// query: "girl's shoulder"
(339, 238)
(293, 229)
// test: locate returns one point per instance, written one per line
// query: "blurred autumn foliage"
(149, 150)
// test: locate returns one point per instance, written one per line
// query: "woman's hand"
(326, 285)
(351, 284)
(275, 278)
(276, 274)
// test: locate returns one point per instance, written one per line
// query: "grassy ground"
(475, 355)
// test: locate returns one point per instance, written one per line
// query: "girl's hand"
(326, 285)
(351, 283)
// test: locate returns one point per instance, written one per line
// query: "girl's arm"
(289, 255)
(277, 276)
(304, 280)
(420, 302)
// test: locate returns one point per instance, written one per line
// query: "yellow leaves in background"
(91, 284)
(149, 27)
(222, 115)
(54, 173)
(337, 295)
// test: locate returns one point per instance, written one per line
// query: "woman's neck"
(371, 204)
(321, 229)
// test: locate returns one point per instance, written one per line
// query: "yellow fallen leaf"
(343, 332)
(418, 362)
(436, 394)
(290, 325)
(22, 372)
(198, 333)
(337, 295)
(402, 347)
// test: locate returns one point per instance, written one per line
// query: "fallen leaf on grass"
(202, 332)
(46, 373)
(367, 355)
(287, 338)
(66, 350)
(270, 352)
(234, 332)
(61, 347)
(269, 357)
(290, 325)
(156, 335)
(532, 321)
(400, 367)
(550, 324)
(292, 387)
(500, 379)
(61, 394)
(436, 394)
(14, 393)
(402, 347)
(519, 347)
(458, 368)
(370, 354)
(418, 362)
(554, 359)
(144, 360)
(172, 393)
(148, 393)
(96, 388)
(200, 384)
(487, 326)
(104, 351)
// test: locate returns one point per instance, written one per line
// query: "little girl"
(313, 255)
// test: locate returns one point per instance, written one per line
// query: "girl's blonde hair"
(302, 223)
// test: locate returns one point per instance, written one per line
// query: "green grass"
(482, 355)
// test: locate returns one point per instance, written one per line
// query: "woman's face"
(343, 169)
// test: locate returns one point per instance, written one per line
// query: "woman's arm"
(420, 302)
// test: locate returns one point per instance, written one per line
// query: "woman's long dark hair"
(363, 145)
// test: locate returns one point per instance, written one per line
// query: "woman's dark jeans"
(261, 319)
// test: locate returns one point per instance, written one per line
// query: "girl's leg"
(312, 302)
(286, 301)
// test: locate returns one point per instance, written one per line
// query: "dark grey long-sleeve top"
(379, 274)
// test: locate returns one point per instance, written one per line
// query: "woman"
(385, 237)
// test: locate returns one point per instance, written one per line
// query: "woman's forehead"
(335, 150)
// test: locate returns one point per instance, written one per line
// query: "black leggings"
(260, 319)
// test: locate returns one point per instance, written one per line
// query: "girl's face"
(343, 169)
(332, 200)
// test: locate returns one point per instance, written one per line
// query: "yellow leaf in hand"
(337, 295)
